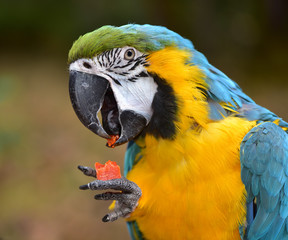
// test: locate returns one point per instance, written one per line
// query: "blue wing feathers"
(261, 224)
(134, 231)
(264, 164)
(255, 184)
(131, 156)
(284, 205)
(216, 112)
(224, 90)
(276, 227)
(268, 201)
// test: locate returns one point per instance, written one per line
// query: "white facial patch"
(136, 96)
(134, 89)
(87, 66)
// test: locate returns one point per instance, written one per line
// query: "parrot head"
(111, 72)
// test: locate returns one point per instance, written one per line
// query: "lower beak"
(132, 124)
(87, 93)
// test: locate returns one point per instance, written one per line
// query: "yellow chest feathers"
(191, 186)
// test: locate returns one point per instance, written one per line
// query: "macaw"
(203, 161)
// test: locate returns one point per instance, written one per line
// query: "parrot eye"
(87, 65)
(129, 54)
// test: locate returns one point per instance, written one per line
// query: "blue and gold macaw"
(204, 161)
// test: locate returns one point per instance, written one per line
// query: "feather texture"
(264, 164)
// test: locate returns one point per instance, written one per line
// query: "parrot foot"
(126, 198)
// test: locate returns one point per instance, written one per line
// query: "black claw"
(87, 171)
(81, 168)
(98, 196)
(106, 218)
(84, 187)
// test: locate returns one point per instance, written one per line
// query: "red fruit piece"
(112, 140)
(107, 171)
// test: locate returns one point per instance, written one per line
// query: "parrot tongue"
(110, 114)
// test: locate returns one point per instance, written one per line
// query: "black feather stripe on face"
(164, 105)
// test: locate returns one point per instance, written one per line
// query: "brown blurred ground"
(41, 139)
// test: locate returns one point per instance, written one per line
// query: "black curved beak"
(91, 93)
(132, 124)
(87, 93)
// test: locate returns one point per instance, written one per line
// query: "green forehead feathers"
(145, 38)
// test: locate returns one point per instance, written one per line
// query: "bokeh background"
(41, 139)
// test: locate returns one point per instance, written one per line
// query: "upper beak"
(87, 93)
(91, 93)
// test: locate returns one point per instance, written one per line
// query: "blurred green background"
(41, 139)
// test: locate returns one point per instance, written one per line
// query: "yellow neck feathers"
(172, 64)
